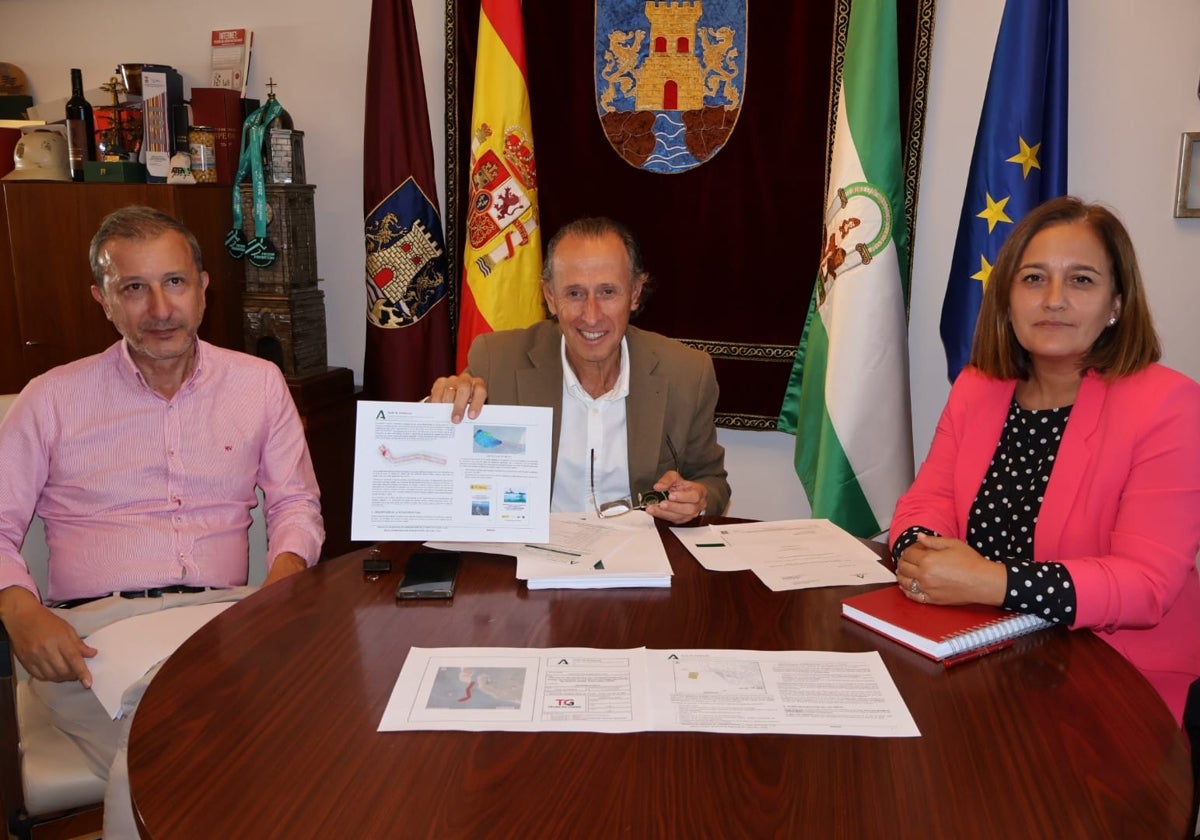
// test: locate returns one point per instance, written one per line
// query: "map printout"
(640, 690)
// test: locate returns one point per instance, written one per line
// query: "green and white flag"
(847, 400)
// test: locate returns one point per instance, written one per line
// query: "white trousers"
(76, 711)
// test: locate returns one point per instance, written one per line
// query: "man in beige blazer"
(633, 409)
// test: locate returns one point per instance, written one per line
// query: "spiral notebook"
(936, 632)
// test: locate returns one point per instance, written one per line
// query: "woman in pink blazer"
(1064, 475)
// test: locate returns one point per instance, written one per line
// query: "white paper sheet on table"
(132, 646)
(804, 553)
(633, 556)
(710, 549)
(640, 690)
(786, 554)
(585, 552)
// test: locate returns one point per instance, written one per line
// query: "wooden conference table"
(263, 724)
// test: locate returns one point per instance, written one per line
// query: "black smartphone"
(429, 574)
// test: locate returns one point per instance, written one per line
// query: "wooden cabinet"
(47, 315)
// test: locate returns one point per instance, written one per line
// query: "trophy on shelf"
(118, 139)
(110, 146)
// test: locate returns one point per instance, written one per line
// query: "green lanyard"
(258, 250)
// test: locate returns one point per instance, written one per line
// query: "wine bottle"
(81, 127)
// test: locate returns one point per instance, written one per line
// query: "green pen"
(555, 550)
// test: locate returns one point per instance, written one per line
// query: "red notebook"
(936, 632)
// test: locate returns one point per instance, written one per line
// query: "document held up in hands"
(417, 476)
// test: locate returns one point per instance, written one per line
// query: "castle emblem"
(670, 77)
(406, 263)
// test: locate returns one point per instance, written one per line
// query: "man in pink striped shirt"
(143, 462)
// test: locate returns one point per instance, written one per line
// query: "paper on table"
(132, 646)
(579, 538)
(574, 539)
(710, 549)
(639, 690)
(585, 552)
(626, 552)
(804, 554)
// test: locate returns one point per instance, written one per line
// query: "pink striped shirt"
(140, 491)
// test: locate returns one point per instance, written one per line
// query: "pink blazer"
(1121, 510)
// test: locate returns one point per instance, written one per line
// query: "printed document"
(787, 554)
(417, 476)
(639, 690)
(621, 553)
(586, 552)
(710, 549)
(132, 646)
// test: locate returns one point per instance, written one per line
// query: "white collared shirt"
(591, 424)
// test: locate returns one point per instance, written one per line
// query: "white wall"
(1133, 92)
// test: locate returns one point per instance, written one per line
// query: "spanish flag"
(502, 258)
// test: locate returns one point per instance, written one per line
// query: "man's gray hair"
(595, 227)
(137, 222)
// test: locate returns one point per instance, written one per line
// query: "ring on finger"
(914, 587)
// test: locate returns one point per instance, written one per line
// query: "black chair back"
(1191, 725)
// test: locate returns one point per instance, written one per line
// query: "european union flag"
(1020, 157)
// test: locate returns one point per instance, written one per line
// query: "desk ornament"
(283, 147)
(40, 155)
(118, 140)
(181, 169)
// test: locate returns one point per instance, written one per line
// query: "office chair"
(46, 787)
(1191, 725)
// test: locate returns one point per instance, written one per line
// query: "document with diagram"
(796, 692)
(417, 476)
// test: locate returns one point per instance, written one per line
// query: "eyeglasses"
(620, 507)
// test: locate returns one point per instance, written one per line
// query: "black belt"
(155, 592)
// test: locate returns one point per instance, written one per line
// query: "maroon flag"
(408, 322)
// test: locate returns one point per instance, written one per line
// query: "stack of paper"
(587, 553)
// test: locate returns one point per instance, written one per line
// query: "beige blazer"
(672, 391)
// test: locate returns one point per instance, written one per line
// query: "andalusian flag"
(1020, 157)
(847, 400)
(502, 259)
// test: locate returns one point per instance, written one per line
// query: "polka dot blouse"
(1000, 525)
